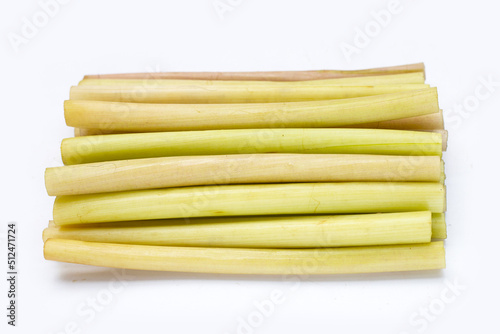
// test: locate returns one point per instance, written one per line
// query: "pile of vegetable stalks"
(295, 172)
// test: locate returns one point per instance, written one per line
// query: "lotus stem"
(184, 171)
(247, 141)
(429, 122)
(250, 200)
(262, 232)
(139, 117)
(268, 76)
(346, 260)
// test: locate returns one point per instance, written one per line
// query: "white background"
(457, 40)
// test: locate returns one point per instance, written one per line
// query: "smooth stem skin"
(249, 141)
(343, 260)
(265, 232)
(267, 76)
(416, 78)
(144, 117)
(380, 83)
(92, 132)
(429, 122)
(403, 81)
(191, 94)
(184, 171)
(250, 200)
(417, 123)
(101, 232)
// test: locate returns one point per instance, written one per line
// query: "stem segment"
(140, 117)
(229, 94)
(348, 260)
(420, 123)
(267, 76)
(258, 199)
(240, 168)
(262, 232)
(247, 141)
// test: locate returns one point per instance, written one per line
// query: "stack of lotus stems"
(308, 172)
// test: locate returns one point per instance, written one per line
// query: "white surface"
(457, 40)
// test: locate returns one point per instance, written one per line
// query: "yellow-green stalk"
(192, 94)
(253, 199)
(67, 232)
(438, 226)
(184, 171)
(262, 232)
(431, 122)
(343, 260)
(218, 142)
(410, 69)
(143, 117)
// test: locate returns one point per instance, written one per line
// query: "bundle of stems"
(252, 173)
(183, 171)
(263, 232)
(249, 141)
(267, 76)
(251, 199)
(342, 260)
(137, 117)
